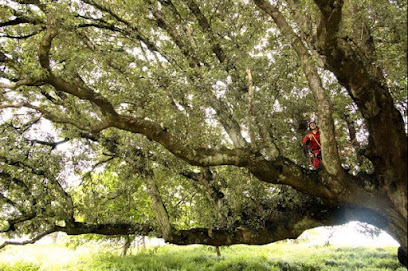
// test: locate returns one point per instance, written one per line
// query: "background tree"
(184, 119)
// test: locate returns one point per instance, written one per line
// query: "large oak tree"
(183, 119)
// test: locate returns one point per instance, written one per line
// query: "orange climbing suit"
(312, 140)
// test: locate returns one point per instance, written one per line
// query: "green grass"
(278, 256)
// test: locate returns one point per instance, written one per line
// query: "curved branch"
(20, 20)
(53, 145)
(80, 89)
(29, 241)
(281, 224)
(199, 156)
(93, 128)
(280, 171)
(22, 37)
(45, 44)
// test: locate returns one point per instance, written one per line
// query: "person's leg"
(315, 160)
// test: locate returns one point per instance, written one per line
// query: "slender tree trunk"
(217, 249)
(160, 211)
(126, 245)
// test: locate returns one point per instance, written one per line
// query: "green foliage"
(121, 52)
(19, 266)
(104, 197)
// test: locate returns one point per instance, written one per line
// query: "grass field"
(278, 256)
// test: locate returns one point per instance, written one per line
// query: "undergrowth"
(278, 256)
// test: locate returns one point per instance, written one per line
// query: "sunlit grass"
(277, 256)
(48, 257)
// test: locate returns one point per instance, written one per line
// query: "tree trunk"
(126, 245)
(217, 249)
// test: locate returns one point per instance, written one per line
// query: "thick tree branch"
(274, 230)
(296, 221)
(331, 158)
(329, 27)
(278, 172)
(45, 44)
(154, 131)
(366, 85)
(111, 229)
(93, 128)
(79, 89)
(202, 157)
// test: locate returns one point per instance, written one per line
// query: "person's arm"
(305, 139)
